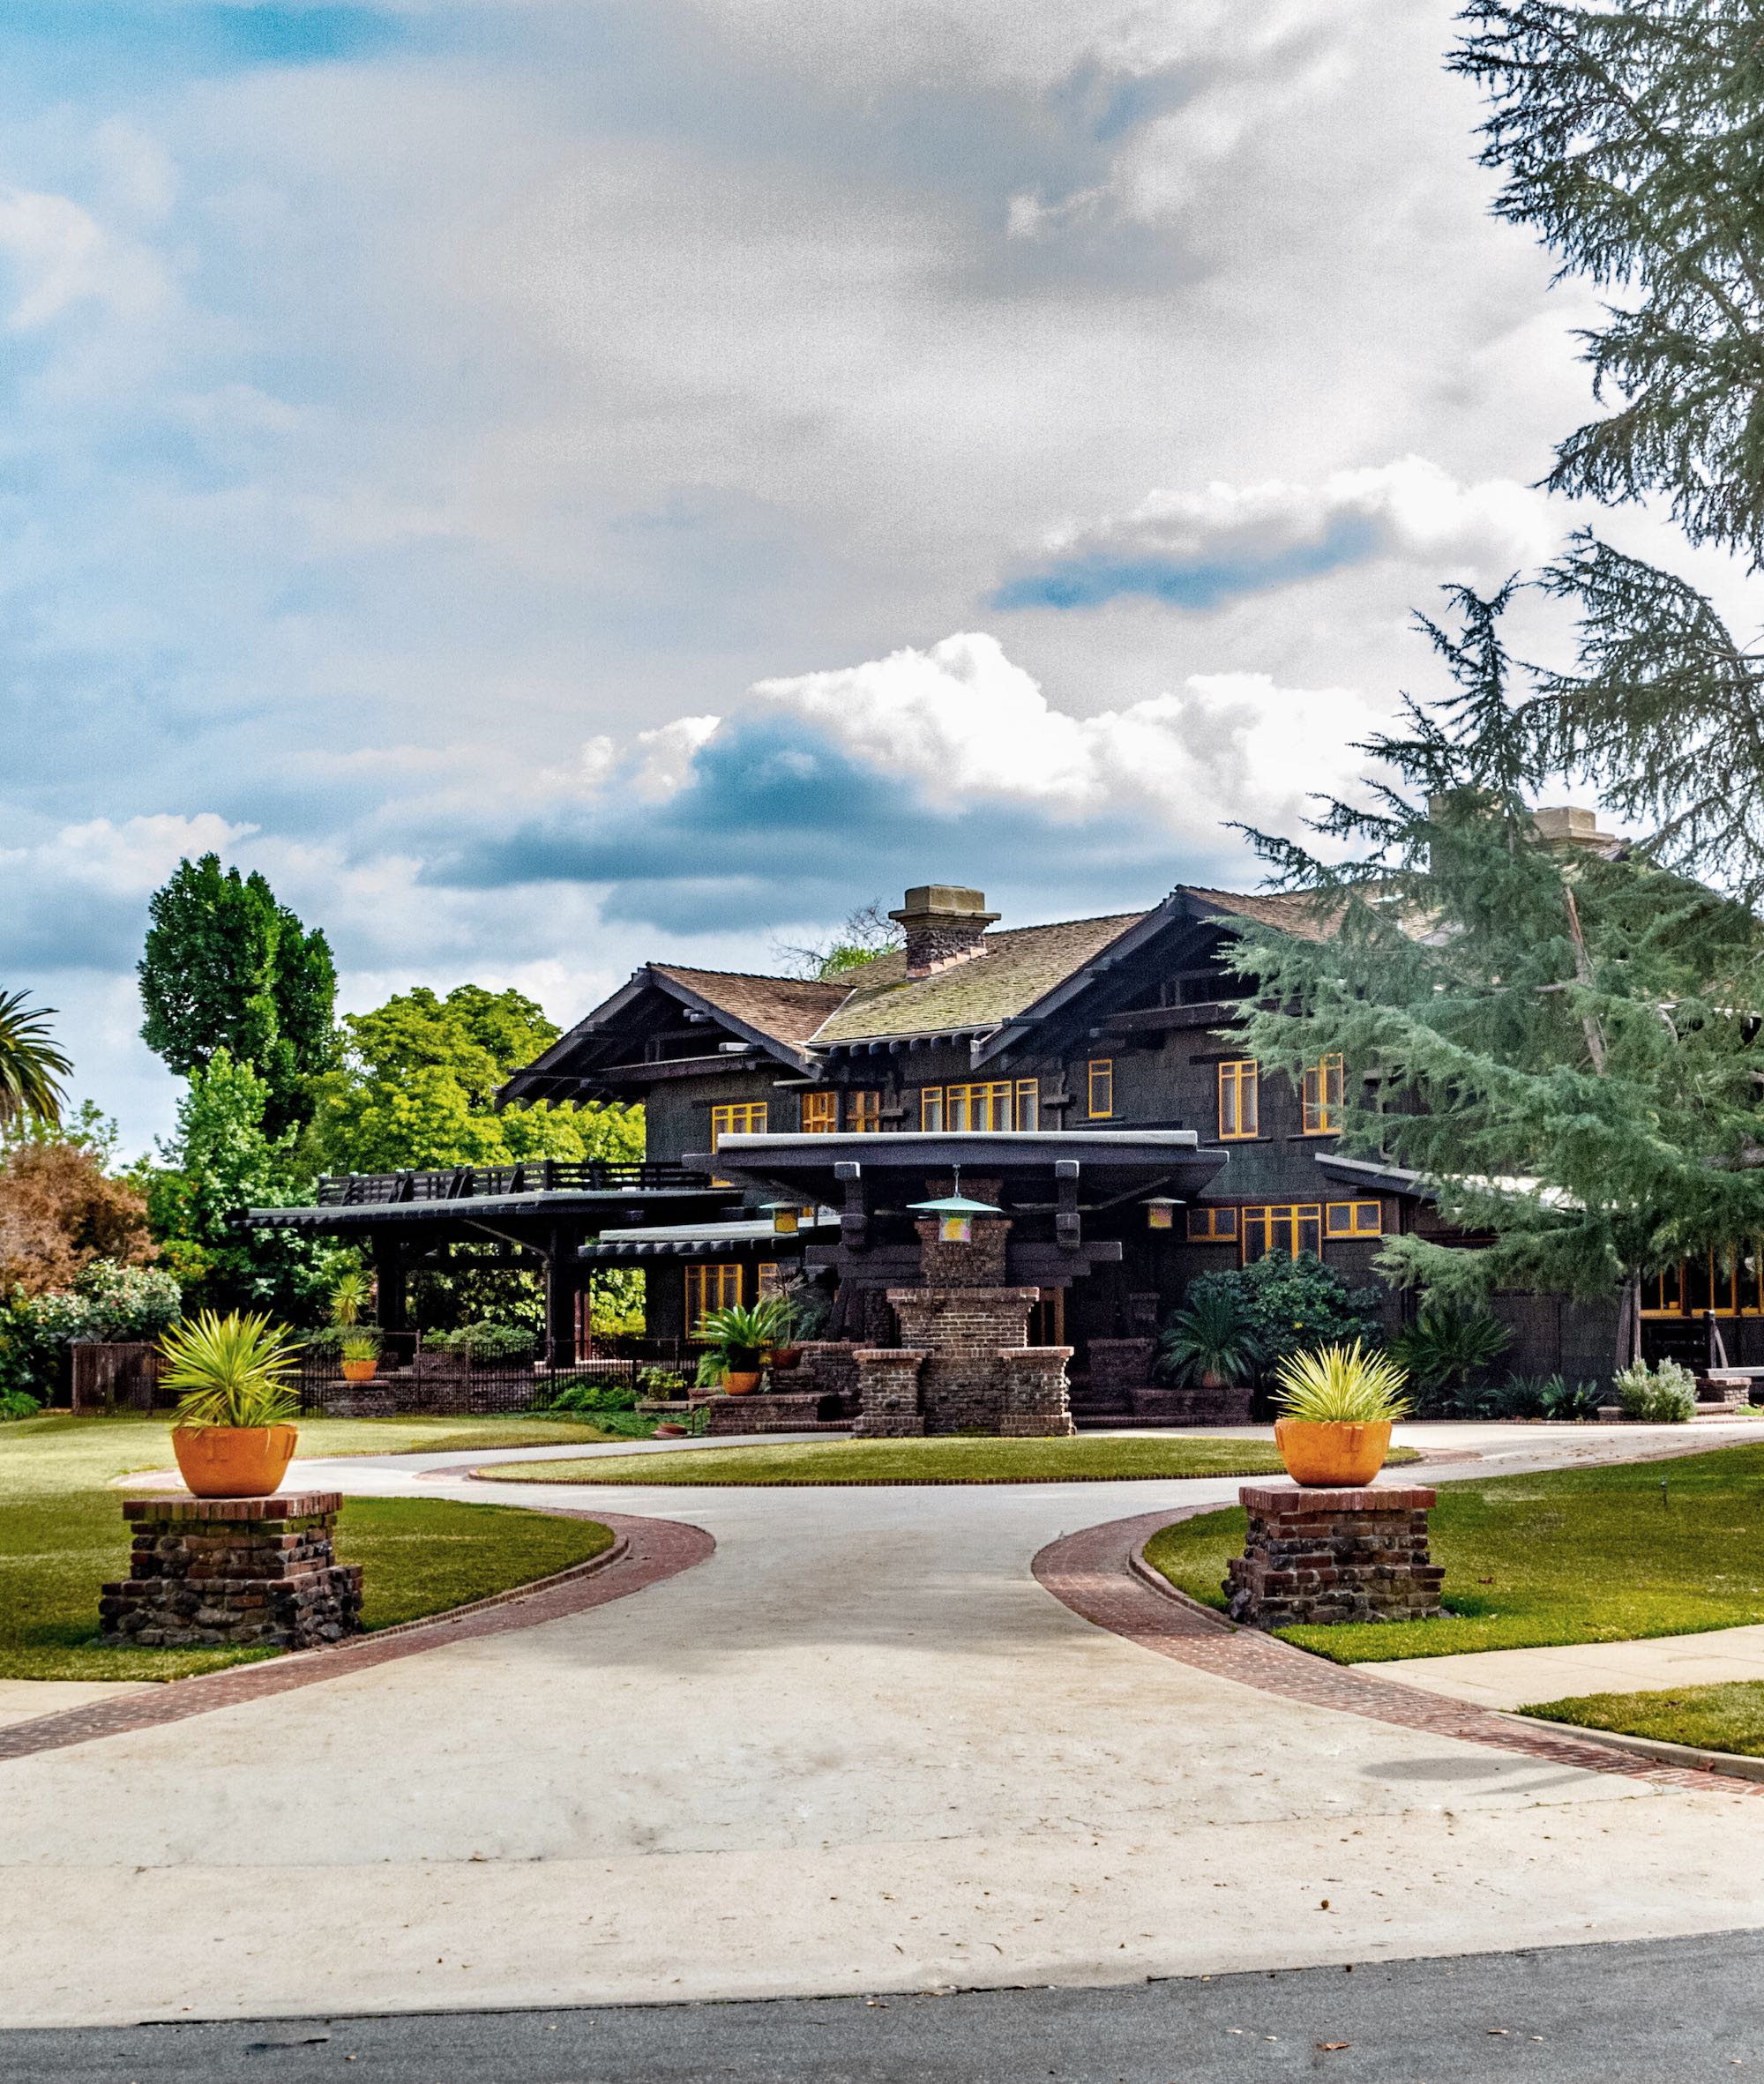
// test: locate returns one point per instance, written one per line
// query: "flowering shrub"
(1663, 1395)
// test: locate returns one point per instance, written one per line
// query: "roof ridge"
(751, 977)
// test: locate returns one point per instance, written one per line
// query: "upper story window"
(1100, 1088)
(1322, 1096)
(1239, 1099)
(1209, 1223)
(1355, 1219)
(820, 1113)
(740, 1117)
(980, 1109)
(863, 1110)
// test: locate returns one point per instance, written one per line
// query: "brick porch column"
(888, 1403)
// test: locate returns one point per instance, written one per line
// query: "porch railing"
(537, 1176)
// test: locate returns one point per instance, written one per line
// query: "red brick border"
(1094, 1574)
(644, 1552)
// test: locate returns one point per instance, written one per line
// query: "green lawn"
(1085, 1458)
(1581, 1556)
(61, 1535)
(1722, 1718)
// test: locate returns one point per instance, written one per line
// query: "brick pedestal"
(889, 1407)
(234, 1570)
(1324, 1555)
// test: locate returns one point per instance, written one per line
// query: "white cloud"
(61, 256)
(121, 859)
(1409, 510)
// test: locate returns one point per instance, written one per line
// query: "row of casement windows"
(1284, 1229)
(1240, 1098)
(1015, 1103)
(1731, 1284)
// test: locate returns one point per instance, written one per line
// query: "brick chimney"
(944, 925)
(1567, 825)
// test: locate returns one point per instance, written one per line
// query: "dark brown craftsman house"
(1084, 1072)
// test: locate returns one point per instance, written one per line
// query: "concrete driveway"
(858, 1750)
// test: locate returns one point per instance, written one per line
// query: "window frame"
(822, 1103)
(719, 1128)
(1357, 1224)
(1099, 1071)
(1323, 1094)
(1240, 1080)
(864, 1110)
(1211, 1222)
(699, 1297)
(1005, 1103)
(1259, 1220)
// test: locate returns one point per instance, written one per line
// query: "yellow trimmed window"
(1323, 1096)
(820, 1114)
(1100, 1088)
(743, 1118)
(1282, 1230)
(1354, 1218)
(1208, 1223)
(980, 1109)
(1239, 1099)
(863, 1110)
(1730, 1283)
(709, 1288)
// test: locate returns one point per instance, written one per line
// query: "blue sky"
(556, 482)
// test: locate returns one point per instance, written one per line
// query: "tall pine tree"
(1565, 1044)
(1630, 137)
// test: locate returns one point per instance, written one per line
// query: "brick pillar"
(887, 1394)
(1323, 1556)
(1033, 1395)
(234, 1570)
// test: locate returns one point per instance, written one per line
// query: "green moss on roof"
(1019, 966)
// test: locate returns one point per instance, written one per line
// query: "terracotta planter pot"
(1320, 1455)
(234, 1461)
(359, 1371)
(742, 1385)
(785, 1358)
(667, 1429)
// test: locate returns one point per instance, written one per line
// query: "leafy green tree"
(418, 1081)
(868, 932)
(1629, 139)
(226, 968)
(222, 1160)
(30, 1067)
(1566, 1044)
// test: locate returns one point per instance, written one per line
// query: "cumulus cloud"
(60, 256)
(1196, 550)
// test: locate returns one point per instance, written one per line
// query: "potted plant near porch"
(361, 1353)
(740, 1337)
(233, 1432)
(1336, 1410)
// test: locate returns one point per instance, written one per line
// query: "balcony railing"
(537, 1176)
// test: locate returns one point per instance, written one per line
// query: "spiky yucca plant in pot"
(1336, 1405)
(233, 1432)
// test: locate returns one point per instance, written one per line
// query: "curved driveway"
(860, 1749)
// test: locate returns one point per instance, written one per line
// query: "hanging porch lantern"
(1160, 1212)
(786, 1217)
(955, 1213)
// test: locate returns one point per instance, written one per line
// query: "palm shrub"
(1445, 1347)
(1340, 1385)
(233, 1370)
(349, 1296)
(1665, 1394)
(1212, 1335)
(359, 1346)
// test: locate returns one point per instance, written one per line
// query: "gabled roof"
(1290, 910)
(1020, 965)
(787, 1010)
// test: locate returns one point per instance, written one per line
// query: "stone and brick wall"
(1118, 1367)
(1330, 1556)
(258, 1571)
(888, 1392)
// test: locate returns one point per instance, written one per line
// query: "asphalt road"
(1668, 2012)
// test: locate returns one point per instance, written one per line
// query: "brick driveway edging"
(644, 1552)
(1101, 1575)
